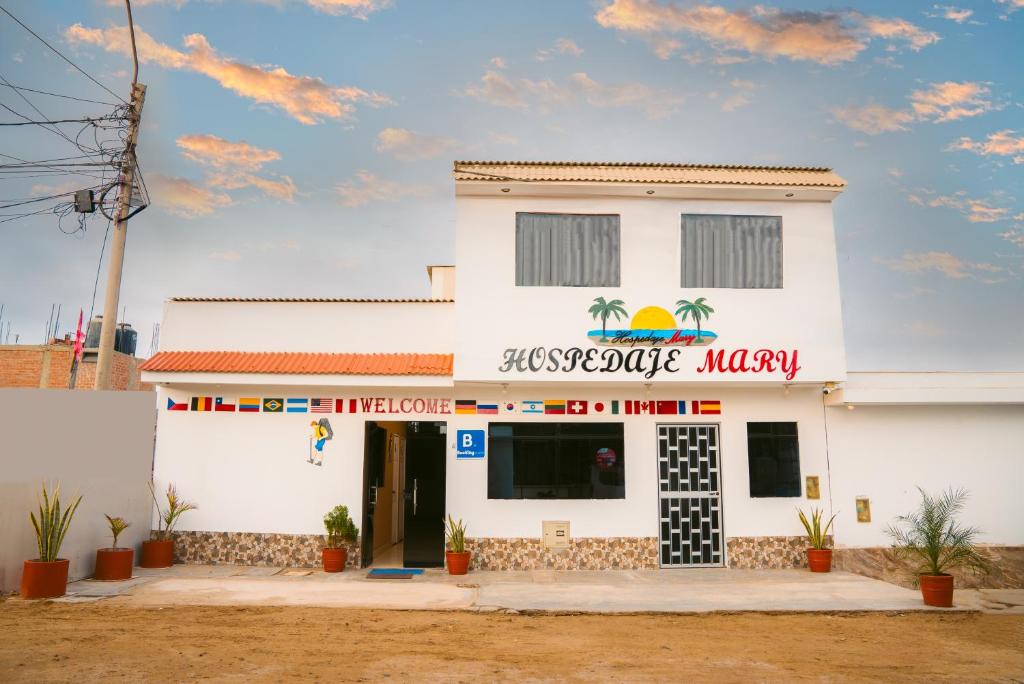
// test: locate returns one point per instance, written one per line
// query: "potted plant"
(47, 575)
(340, 529)
(159, 552)
(819, 556)
(114, 564)
(937, 542)
(456, 556)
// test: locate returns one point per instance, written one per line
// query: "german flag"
(465, 406)
(201, 404)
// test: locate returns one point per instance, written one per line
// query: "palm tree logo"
(602, 309)
(696, 309)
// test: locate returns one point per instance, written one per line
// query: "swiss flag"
(574, 407)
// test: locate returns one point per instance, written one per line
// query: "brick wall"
(50, 366)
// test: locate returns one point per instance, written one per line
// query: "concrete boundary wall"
(97, 444)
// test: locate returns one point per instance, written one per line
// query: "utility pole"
(105, 358)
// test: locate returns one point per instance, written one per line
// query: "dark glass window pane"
(773, 457)
(556, 461)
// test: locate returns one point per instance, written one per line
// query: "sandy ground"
(100, 641)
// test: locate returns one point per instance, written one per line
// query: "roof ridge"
(669, 165)
(352, 300)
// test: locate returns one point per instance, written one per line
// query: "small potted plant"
(47, 575)
(933, 537)
(114, 564)
(819, 556)
(456, 556)
(340, 530)
(159, 552)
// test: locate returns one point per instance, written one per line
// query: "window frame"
(775, 438)
(515, 246)
(679, 251)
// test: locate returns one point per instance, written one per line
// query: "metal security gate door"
(690, 498)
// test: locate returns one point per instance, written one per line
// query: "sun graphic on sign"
(652, 318)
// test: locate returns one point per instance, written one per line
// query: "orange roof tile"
(299, 363)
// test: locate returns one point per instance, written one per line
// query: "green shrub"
(169, 516)
(933, 537)
(339, 527)
(52, 523)
(455, 533)
(816, 535)
(117, 526)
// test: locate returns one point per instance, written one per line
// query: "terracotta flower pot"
(937, 590)
(157, 553)
(458, 563)
(335, 559)
(114, 565)
(819, 560)
(44, 579)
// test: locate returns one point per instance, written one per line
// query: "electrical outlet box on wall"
(555, 536)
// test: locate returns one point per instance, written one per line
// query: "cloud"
(823, 37)
(229, 255)
(1003, 143)
(497, 89)
(873, 118)
(939, 103)
(1014, 237)
(403, 144)
(975, 210)
(360, 9)
(949, 101)
(182, 197)
(366, 187)
(306, 99)
(944, 263)
(742, 96)
(234, 165)
(665, 47)
(562, 46)
(949, 12)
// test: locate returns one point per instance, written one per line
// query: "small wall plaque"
(863, 509)
(555, 534)
(813, 488)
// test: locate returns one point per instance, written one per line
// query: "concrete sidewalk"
(658, 591)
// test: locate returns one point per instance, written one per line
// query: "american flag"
(321, 405)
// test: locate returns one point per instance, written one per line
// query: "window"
(773, 453)
(731, 251)
(572, 250)
(555, 461)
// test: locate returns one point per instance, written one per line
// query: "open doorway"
(404, 494)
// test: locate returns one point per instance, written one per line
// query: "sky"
(304, 147)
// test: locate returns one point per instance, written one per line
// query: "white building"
(559, 396)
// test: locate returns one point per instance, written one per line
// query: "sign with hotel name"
(652, 344)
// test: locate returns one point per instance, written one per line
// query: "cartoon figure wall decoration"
(322, 433)
(651, 326)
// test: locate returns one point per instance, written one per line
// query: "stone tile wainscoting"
(584, 553)
(880, 563)
(254, 548)
(759, 553)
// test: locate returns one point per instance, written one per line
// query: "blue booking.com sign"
(470, 444)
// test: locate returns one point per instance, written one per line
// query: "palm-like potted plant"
(456, 556)
(936, 541)
(819, 556)
(159, 551)
(340, 532)
(47, 575)
(114, 564)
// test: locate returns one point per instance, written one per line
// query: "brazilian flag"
(273, 405)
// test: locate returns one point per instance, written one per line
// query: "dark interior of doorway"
(423, 492)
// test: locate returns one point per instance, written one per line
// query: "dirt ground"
(94, 642)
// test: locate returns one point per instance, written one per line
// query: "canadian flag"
(637, 408)
(576, 408)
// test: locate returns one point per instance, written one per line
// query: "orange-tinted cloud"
(182, 197)
(873, 118)
(950, 100)
(366, 187)
(939, 262)
(235, 164)
(308, 100)
(1000, 144)
(407, 145)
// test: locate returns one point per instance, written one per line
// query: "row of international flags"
(548, 407)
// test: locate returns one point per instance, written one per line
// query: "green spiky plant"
(602, 309)
(339, 527)
(933, 537)
(52, 523)
(169, 517)
(696, 309)
(455, 533)
(817, 535)
(117, 526)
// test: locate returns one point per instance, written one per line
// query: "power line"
(29, 122)
(66, 97)
(60, 54)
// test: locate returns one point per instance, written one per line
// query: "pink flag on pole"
(79, 338)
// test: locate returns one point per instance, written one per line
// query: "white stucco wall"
(493, 314)
(381, 327)
(884, 452)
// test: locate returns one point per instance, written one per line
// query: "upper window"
(773, 454)
(731, 251)
(571, 250)
(555, 461)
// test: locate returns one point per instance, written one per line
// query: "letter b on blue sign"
(470, 444)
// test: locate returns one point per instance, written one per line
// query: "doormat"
(394, 573)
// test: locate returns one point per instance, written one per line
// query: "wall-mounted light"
(506, 189)
(789, 194)
(650, 192)
(850, 407)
